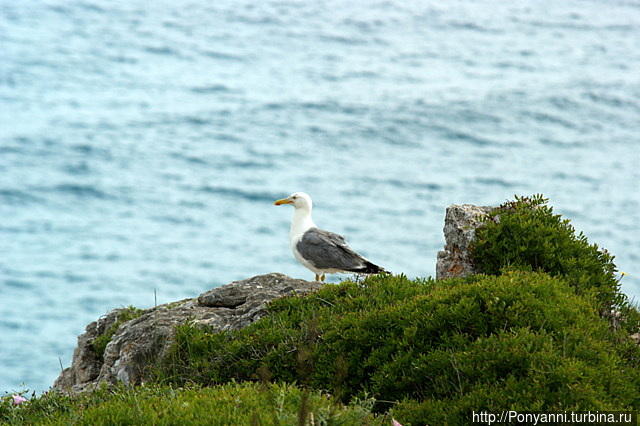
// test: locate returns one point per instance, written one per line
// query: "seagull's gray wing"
(326, 250)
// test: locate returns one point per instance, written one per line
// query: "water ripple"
(544, 117)
(216, 88)
(223, 56)
(80, 191)
(17, 197)
(261, 196)
(496, 182)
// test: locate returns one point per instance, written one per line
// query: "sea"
(142, 143)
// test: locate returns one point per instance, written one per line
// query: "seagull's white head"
(299, 200)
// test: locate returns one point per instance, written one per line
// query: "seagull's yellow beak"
(283, 201)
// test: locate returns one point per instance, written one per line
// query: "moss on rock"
(127, 314)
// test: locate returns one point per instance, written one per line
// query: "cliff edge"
(138, 343)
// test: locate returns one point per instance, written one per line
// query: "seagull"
(318, 250)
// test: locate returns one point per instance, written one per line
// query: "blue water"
(142, 143)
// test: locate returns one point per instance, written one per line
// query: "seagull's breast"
(300, 224)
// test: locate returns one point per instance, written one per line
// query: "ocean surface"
(143, 143)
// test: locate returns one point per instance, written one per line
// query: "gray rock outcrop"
(139, 342)
(460, 224)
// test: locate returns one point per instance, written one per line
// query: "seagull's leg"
(317, 277)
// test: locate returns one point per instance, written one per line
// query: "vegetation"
(532, 334)
(230, 404)
(521, 340)
(526, 234)
(126, 314)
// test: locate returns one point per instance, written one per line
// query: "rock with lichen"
(138, 343)
(460, 224)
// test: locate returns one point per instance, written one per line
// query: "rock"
(460, 224)
(140, 342)
(86, 362)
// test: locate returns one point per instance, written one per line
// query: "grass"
(230, 404)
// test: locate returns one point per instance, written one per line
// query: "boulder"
(460, 224)
(138, 343)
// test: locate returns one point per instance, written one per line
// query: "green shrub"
(522, 339)
(526, 234)
(230, 404)
(127, 314)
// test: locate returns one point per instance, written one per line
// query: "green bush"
(525, 233)
(230, 404)
(520, 340)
